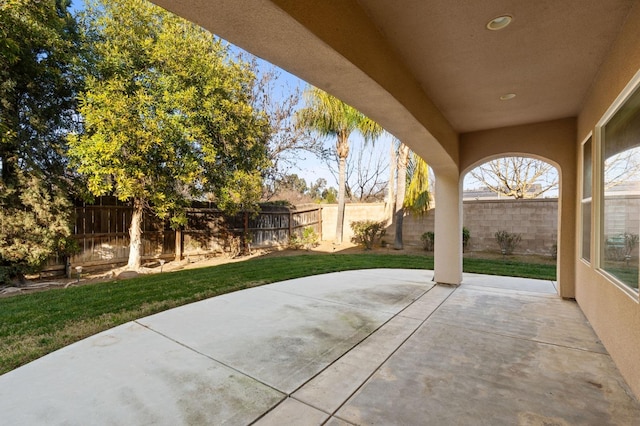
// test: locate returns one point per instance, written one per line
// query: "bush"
(295, 242)
(307, 240)
(621, 247)
(507, 241)
(466, 235)
(428, 240)
(630, 243)
(366, 232)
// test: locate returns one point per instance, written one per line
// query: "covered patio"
(461, 83)
(361, 347)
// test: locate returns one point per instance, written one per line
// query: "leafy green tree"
(292, 182)
(329, 116)
(38, 45)
(167, 116)
(330, 195)
(316, 189)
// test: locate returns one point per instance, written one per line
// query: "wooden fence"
(102, 233)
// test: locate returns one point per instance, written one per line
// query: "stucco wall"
(352, 212)
(613, 313)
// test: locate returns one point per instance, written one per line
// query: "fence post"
(290, 223)
(320, 223)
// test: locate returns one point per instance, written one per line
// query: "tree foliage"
(38, 42)
(330, 117)
(417, 199)
(167, 115)
(517, 177)
(366, 232)
(294, 190)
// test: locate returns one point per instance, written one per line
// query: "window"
(621, 192)
(586, 200)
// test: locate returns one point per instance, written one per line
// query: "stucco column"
(567, 235)
(448, 231)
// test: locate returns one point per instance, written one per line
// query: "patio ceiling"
(432, 59)
(548, 56)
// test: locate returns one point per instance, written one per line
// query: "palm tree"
(329, 116)
(414, 197)
(390, 205)
(403, 160)
(418, 196)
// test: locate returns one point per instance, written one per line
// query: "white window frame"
(598, 197)
(589, 199)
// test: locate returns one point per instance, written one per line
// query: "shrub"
(307, 240)
(466, 236)
(366, 232)
(630, 243)
(295, 242)
(507, 241)
(428, 239)
(620, 247)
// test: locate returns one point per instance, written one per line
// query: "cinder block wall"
(622, 213)
(536, 220)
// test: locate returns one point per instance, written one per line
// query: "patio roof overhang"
(429, 70)
(432, 74)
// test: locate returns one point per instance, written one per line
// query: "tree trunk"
(342, 147)
(135, 237)
(403, 158)
(389, 208)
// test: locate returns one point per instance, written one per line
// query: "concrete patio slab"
(333, 386)
(350, 348)
(286, 332)
(514, 283)
(388, 290)
(447, 374)
(293, 412)
(542, 319)
(130, 375)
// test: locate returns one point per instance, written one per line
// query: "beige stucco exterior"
(552, 141)
(614, 315)
(431, 74)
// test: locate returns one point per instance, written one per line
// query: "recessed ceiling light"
(499, 23)
(507, 96)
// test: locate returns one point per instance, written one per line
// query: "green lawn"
(33, 325)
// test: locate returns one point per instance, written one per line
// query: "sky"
(308, 166)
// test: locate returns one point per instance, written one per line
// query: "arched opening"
(511, 210)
